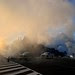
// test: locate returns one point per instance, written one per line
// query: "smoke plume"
(39, 20)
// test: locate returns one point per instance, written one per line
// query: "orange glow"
(2, 43)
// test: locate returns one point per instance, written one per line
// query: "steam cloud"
(39, 20)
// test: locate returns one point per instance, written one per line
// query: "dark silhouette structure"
(56, 52)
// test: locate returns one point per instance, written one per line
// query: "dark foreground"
(51, 66)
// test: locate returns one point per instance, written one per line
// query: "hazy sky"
(37, 19)
(72, 1)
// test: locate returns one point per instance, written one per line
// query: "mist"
(40, 21)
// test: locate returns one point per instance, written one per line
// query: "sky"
(72, 1)
(36, 19)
